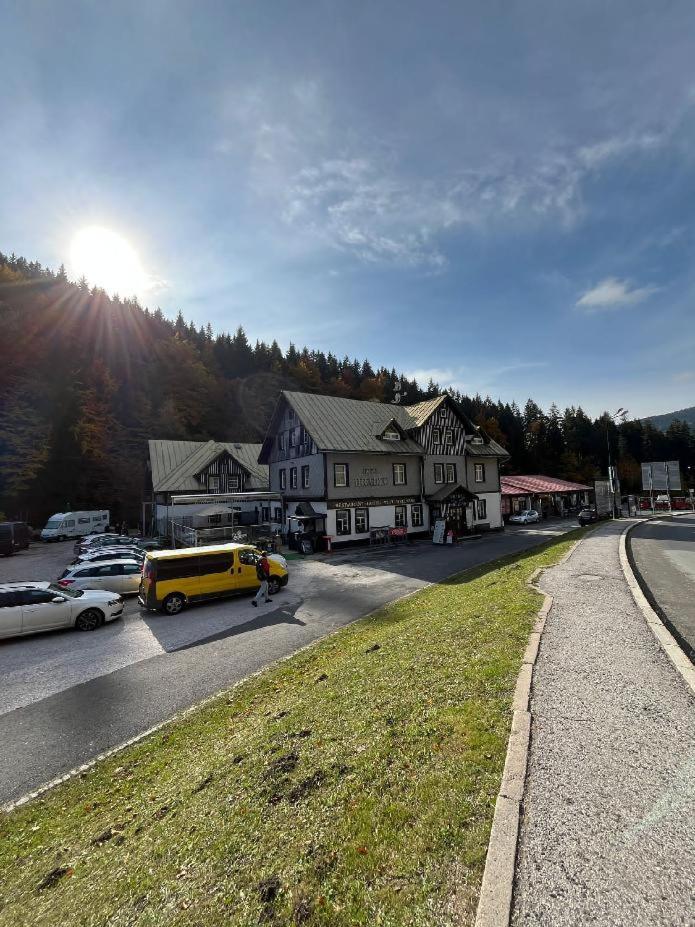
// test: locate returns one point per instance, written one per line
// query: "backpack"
(260, 572)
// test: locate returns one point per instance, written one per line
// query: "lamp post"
(612, 417)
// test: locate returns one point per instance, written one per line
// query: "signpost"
(661, 475)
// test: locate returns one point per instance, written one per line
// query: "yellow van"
(171, 579)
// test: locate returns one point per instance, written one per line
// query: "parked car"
(121, 576)
(14, 536)
(172, 579)
(587, 516)
(110, 553)
(152, 544)
(527, 517)
(104, 540)
(27, 608)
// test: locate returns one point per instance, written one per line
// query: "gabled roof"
(421, 411)
(489, 448)
(337, 424)
(523, 485)
(176, 464)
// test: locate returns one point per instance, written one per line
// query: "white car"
(109, 553)
(527, 517)
(121, 576)
(27, 608)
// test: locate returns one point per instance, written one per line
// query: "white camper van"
(74, 525)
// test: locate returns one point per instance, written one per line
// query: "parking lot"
(81, 693)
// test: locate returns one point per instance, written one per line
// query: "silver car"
(27, 608)
(122, 576)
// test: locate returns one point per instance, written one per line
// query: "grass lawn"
(351, 784)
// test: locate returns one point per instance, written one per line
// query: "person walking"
(263, 573)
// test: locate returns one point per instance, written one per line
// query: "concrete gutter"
(659, 625)
(497, 889)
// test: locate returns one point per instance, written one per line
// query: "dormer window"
(437, 435)
(442, 414)
(391, 434)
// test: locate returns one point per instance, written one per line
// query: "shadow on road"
(283, 615)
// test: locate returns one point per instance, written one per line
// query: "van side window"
(216, 563)
(247, 557)
(178, 568)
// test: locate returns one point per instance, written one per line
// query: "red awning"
(537, 485)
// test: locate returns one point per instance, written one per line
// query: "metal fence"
(188, 536)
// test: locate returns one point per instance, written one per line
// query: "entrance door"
(456, 518)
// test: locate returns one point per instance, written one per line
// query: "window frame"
(281, 441)
(478, 468)
(450, 468)
(404, 481)
(478, 504)
(441, 471)
(358, 512)
(306, 476)
(417, 518)
(448, 437)
(283, 478)
(213, 482)
(436, 435)
(400, 510)
(233, 482)
(346, 469)
(338, 513)
(293, 477)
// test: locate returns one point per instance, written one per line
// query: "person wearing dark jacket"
(263, 573)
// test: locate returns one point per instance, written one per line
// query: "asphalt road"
(664, 553)
(67, 697)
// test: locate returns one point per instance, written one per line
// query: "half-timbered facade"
(183, 468)
(359, 467)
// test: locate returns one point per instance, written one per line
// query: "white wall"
(494, 509)
(379, 516)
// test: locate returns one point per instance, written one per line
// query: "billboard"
(661, 476)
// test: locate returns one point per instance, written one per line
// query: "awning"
(307, 510)
(218, 510)
(445, 493)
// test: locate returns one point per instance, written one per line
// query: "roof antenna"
(398, 393)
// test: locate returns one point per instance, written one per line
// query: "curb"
(668, 642)
(497, 889)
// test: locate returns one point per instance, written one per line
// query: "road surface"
(664, 554)
(67, 697)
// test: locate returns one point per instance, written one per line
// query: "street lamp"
(620, 414)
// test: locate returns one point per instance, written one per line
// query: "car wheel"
(273, 585)
(173, 603)
(89, 620)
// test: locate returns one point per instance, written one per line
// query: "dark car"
(587, 516)
(14, 535)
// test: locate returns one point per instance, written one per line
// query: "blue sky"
(498, 195)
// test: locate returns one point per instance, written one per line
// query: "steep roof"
(338, 424)
(522, 485)
(175, 464)
(421, 411)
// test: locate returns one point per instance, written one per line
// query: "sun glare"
(108, 261)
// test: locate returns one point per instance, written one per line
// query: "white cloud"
(592, 156)
(612, 293)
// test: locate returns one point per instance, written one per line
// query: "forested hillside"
(682, 415)
(86, 379)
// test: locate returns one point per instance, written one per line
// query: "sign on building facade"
(661, 476)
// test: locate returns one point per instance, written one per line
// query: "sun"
(108, 261)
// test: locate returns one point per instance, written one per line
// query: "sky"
(499, 196)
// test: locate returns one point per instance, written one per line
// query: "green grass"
(353, 784)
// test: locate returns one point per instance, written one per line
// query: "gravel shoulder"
(608, 824)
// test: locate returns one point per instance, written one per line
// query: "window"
(341, 475)
(391, 434)
(130, 569)
(215, 519)
(439, 473)
(248, 558)
(448, 435)
(290, 414)
(233, 481)
(34, 597)
(416, 515)
(82, 521)
(265, 514)
(8, 599)
(401, 517)
(442, 414)
(303, 436)
(96, 517)
(177, 568)
(283, 479)
(293, 477)
(342, 521)
(70, 523)
(213, 484)
(215, 563)
(437, 435)
(451, 473)
(305, 477)
(399, 474)
(293, 437)
(479, 470)
(361, 521)
(277, 516)
(281, 441)
(481, 505)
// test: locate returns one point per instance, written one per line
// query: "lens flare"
(108, 261)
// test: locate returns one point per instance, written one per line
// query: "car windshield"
(61, 590)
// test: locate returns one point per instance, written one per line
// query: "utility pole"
(611, 417)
